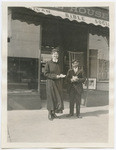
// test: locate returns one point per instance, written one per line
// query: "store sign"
(71, 16)
(93, 12)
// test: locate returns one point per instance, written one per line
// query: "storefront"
(81, 33)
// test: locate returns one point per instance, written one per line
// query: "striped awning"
(89, 15)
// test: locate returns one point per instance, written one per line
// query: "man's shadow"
(96, 113)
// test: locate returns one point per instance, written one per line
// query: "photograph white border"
(5, 144)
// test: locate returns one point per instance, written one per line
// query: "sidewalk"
(34, 126)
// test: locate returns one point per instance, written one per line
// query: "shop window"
(93, 63)
(99, 57)
(103, 71)
(45, 56)
(23, 71)
(98, 66)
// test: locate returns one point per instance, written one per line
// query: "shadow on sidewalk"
(65, 116)
(96, 113)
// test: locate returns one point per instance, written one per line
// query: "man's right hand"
(58, 76)
(72, 80)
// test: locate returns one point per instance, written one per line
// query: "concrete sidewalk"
(34, 126)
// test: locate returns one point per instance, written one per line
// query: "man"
(75, 78)
(54, 77)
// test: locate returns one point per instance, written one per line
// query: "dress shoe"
(78, 116)
(70, 115)
(55, 116)
(50, 117)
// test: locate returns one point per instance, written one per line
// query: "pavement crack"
(9, 138)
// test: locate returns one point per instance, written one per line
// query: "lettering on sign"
(101, 22)
(72, 16)
(90, 12)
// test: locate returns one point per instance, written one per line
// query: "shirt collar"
(55, 60)
(75, 69)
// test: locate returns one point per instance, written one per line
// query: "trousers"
(75, 97)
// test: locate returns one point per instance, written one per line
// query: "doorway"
(69, 38)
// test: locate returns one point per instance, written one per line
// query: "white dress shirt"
(75, 69)
(55, 60)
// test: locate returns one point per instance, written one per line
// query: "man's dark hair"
(55, 50)
(75, 60)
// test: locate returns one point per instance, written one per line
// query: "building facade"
(78, 32)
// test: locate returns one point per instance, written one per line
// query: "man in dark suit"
(75, 78)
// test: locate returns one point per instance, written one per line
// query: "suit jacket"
(78, 84)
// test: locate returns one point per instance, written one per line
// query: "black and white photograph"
(57, 85)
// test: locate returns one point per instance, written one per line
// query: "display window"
(99, 58)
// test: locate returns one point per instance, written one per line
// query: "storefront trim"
(71, 16)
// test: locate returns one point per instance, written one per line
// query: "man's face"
(75, 64)
(55, 55)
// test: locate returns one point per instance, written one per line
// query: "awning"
(89, 15)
